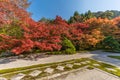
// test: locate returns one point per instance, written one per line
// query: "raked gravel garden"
(65, 70)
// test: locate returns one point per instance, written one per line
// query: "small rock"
(61, 68)
(49, 70)
(110, 69)
(2, 78)
(78, 64)
(18, 76)
(69, 65)
(21, 56)
(96, 64)
(35, 73)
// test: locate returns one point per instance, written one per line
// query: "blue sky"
(66, 8)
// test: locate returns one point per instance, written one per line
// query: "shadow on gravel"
(30, 57)
(103, 56)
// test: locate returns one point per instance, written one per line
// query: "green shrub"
(111, 44)
(69, 51)
(68, 47)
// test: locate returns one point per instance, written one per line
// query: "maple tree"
(117, 21)
(35, 35)
(11, 10)
(106, 26)
(71, 31)
(95, 36)
(19, 33)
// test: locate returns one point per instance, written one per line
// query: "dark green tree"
(111, 44)
(43, 19)
(75, 18)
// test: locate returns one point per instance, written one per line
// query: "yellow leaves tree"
(106, 26)
(94, 37)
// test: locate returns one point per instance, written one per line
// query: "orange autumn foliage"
(106, 26)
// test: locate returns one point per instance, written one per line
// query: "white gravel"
(86, 74)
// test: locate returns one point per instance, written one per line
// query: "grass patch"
(115, 57)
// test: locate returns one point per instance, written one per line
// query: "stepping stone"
(88, 62)
(69, 65)
(35, 73)
(110, 69)
(100, 61)
(83, 63)
(2, 78)
(18, 76)
(61, 68)
(56, 75)
(118, 68)
(78, 64)
(49, 70)
(96, 65)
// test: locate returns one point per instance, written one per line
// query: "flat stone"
(118, 68)
(69, 65)
(78, 64)
(83, 63)
(18, 76)
(35, 73)
(2, 78)
(100, 61)
(88, 62)
(110, 69)
(61, 68)
(49, 70)
(55, 75)
(96, 64)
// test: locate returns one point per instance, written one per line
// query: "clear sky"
(66, 8)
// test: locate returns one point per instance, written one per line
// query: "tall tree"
(75, 18)
(13, 9)
(24, 4)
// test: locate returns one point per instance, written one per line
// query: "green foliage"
(12, 29)
(69, 51)
(43, 19)
(68, 47)
(110, 14)
(111, 44)
(80, 17)
(88, 15)
(106, 14)
(54, 53)
(115, 57)
(75, 18)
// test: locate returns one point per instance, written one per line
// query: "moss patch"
(115, 57)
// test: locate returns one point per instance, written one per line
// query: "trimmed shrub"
(68, 47)
(111, 44)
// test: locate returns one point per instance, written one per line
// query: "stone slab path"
(97, 55)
